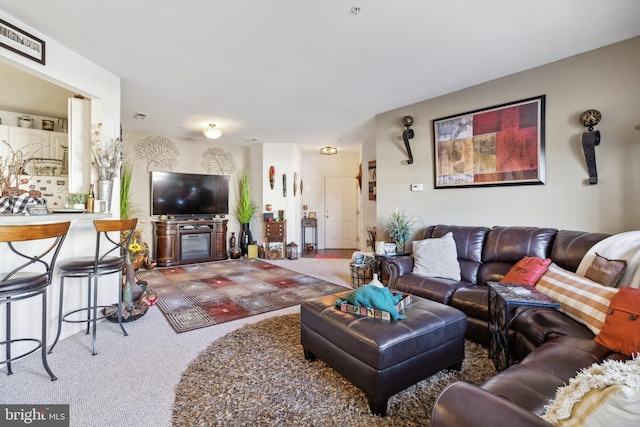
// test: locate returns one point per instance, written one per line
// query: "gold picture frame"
(311, 215)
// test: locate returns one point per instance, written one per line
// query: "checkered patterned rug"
(199, 295)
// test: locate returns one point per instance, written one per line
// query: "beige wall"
(189, 160)
(605, 79)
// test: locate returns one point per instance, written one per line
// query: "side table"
(381, 261)
(504, 299)
(310, 223)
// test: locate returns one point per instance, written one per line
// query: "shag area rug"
(257, 375)
(199, 295)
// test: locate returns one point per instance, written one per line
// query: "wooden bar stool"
(112, 261)
(30, 276)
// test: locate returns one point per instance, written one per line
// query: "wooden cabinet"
(187, 242)
(276, 238)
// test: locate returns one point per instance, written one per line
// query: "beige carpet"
(131, 380)
(257, 375)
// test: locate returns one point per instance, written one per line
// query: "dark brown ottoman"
(383, 357)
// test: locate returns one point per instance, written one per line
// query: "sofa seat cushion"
(433, 288)
(541, 324)
(472, 301)
(533, 382)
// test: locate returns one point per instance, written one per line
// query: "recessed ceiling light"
(140, 116)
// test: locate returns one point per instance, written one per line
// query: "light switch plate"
(416, 187)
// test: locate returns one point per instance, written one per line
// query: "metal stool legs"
(42, 342)
(91, 312)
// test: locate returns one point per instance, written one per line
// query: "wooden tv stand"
(180, 242)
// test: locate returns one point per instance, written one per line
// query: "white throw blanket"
(619, 246)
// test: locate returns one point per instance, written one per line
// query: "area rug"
(257, 375)
(200, 295)
(327, 256)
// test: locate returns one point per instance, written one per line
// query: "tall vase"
(245, 238)
(131, 284)
(105, 191)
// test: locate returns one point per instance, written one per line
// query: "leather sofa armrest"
(399, 266)
(463, 404)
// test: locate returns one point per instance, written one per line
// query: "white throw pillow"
(436, 257)
(604, 395)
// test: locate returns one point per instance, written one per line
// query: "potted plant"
(245, 210)
(399, 225)
(77, 200)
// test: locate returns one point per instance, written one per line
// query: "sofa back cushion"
(469, 242)
(505, 246)
(569, 247)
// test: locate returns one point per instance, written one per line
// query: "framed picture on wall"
(372, 180)
(499, 145)
(21, 42)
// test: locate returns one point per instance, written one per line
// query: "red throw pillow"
(621, 330)
(527, 271)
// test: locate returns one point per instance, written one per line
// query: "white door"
(79, 145)
(340, 215)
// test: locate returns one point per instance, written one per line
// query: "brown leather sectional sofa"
(552, 347)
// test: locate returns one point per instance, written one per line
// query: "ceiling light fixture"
(140, 116)
(327, 151)
(212, 132)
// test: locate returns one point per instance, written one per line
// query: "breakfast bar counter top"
(10, 219)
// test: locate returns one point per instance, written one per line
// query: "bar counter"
(80, 241)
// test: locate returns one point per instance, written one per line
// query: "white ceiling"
(312, 72)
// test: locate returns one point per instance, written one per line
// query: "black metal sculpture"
(408, 134)
(590, 139)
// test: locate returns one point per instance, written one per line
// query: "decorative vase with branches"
(245, 211)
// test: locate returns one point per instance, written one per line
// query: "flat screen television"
(187, 195)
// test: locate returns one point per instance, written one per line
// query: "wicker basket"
(361, 274)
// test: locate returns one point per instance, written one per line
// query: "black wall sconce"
(590, 139)
(407, 134)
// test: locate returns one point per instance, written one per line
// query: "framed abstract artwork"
(500, 145)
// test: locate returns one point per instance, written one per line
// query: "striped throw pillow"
(580, 298)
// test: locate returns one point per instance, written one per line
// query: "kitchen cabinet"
(46, 148)
(44, 159)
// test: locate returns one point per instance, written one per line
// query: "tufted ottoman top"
(379, 343)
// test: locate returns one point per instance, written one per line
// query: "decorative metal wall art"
(407, 134)
(157, 151)
(284, 185)
(217, 161)
(272, 176)
(590, 139)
